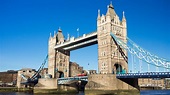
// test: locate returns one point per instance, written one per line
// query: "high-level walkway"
(80, 42)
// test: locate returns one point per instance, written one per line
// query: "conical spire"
(98, 14)
(59, 29)
(110, 10)
(123, 18)
(54, 33)
(111, 6)
(50, 35)
(60, 36)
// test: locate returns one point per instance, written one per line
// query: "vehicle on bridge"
(83, 74)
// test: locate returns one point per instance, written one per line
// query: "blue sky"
(25, 26)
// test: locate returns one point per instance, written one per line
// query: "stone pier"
(109, 82)
(50, 85)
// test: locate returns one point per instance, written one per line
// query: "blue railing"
(145, 75)
(68, 79)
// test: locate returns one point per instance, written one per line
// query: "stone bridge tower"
(58, 61)
(110, 59)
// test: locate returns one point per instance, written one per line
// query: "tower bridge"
(111, 37)
(108, 54)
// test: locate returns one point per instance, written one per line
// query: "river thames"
(143, 92)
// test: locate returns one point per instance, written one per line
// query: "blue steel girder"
(70, 79)
(144, 75)
(142, 54)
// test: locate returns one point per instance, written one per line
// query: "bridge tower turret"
(58, 59)
(51, 54)
(98, 19)
(110, 59)
(124, 25)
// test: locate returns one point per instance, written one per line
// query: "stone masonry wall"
(106, 82)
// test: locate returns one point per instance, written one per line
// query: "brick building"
(75, 69)
(149, 82)
(8, 78)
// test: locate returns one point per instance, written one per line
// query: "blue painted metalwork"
(36, 76)
(69, 79)
(119, 76)
(145, 75)
(142, 54)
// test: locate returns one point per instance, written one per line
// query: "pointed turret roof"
(123, 18)
(111, 6)
(111, 11)
(60, 34)
(98, 17)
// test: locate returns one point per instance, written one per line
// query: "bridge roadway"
(150, 85)
(80, 42)
(68, 79)
(119, 76)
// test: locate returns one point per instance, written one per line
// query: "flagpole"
(88, 69)
(88, 66)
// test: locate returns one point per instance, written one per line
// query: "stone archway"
(118, 69)
(61, 74)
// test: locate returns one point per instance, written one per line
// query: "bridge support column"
(51, 86)
(73, 85)
(81, 85)
(58, 63)
(62, 60)
(111, 58)
(58, 59)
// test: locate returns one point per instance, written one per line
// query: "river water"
(144, 92)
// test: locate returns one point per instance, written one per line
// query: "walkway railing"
(69, 79)
(145, 75)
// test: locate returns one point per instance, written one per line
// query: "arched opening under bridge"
(61, 74)
(118, 68)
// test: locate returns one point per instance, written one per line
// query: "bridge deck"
(145, 75)
(120, 76)
(69, 79)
